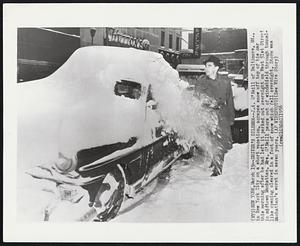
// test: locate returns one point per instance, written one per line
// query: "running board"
(156, 175)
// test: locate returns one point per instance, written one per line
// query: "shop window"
(162, 38)
(170, 41)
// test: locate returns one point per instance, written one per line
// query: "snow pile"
(76, 107)
(188, 194)
(182, 111)
(35, 195)
(240, 97)
(191, 195)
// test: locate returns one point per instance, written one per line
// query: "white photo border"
(281, 16)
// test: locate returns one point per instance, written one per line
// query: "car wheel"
(165, 176)
(189, 154)
(110, 194)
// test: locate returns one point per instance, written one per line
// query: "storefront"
(115, 38)
(166, 41)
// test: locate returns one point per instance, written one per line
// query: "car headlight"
(65, 164)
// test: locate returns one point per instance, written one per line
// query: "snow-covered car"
(95, 125)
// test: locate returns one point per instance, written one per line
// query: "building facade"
(40, 51)
(228, 44)
(166, 41)
(216, 40)
(43, 50)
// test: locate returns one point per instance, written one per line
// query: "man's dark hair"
(215, 60)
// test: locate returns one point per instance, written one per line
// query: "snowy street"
(191, 195)
(187, 194)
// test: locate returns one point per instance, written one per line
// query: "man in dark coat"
(219, 89)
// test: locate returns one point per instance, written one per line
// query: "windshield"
(128, 89)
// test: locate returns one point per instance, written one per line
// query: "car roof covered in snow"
(127, 63)
(77, 107)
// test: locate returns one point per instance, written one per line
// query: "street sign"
(197, 42)
(116, 38)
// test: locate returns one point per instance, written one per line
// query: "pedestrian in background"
(219, 89)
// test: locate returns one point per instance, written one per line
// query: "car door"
(158, 149)
(133, 164)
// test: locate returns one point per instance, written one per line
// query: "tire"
(165, 175)
(188, 155)
(110, 194)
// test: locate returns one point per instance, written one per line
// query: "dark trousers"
(223, 143)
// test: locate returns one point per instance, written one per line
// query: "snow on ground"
(34, 195)
(186, 194)
(240, 97)
(191, 195)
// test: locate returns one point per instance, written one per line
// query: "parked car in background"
(95, 125)
(239, 129)
(190, 72)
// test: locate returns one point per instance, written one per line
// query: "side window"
(128, 89)
(151, 103)
(149, 94)
(154, 113)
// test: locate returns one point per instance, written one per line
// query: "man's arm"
(197, 88)
(230, 103)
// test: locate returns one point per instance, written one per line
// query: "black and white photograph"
(147, 123)
(128, 108)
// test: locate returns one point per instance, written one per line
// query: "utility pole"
(93, 31)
